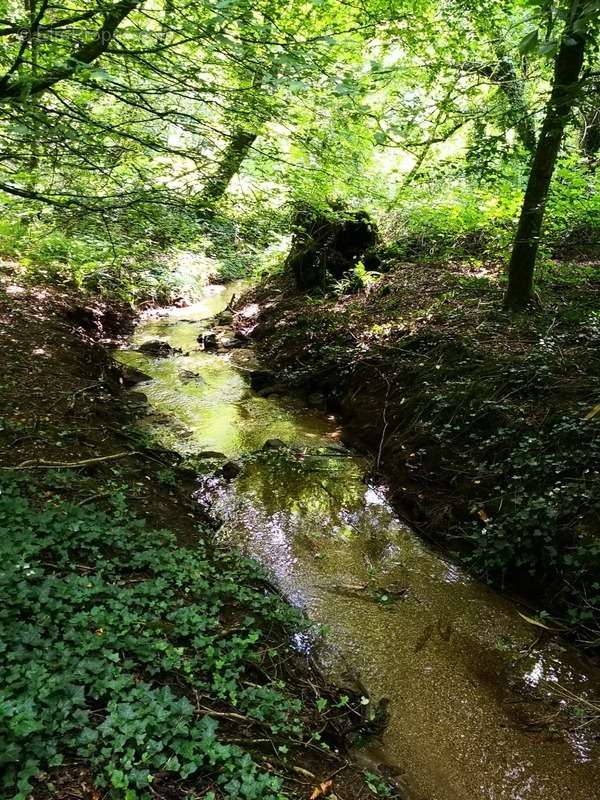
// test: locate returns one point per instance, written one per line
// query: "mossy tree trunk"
(513, 87)
(238, 146)
(231, 160)
(567, 69)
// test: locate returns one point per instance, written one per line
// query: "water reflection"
(464, 673)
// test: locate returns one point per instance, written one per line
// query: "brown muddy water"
(476, 693)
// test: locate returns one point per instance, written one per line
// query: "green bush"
(452, 215)
(536, 503)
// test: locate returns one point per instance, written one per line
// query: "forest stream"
(475, 690)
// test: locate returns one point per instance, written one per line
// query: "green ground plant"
(114, 638)
(141, 258)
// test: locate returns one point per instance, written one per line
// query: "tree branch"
(13, 29)
(85, 54)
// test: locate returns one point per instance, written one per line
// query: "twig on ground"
(41, 464)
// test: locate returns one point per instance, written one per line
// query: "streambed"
(465, 674)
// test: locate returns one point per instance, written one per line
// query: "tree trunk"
(514, 91)
(567, 69)
(590, 141)
(233, 155)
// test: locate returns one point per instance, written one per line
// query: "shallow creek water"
(463, 671)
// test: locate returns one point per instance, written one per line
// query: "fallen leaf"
(593, 411)
(322, 790)
(536, 622)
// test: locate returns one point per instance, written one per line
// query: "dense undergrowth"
(124, 652)
(137, 258)
(486, 424)
(142, 257)
(447, 215)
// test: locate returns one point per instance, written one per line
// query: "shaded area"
(329, 244)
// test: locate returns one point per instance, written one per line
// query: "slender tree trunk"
(590, 141)
(31, 102)
(512, 86)
(232, 157)
(234, 154)
(567, 69)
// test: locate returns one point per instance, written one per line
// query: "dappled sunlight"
(323, 225)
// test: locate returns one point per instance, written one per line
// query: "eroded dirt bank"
(485, 426)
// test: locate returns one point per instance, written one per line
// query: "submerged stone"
(187, 376)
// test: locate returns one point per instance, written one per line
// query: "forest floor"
(140, 660)
(484, 425)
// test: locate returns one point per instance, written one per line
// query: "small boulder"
(130, 376)
(208, 341)
(84, 317)
(261, 378)
(157, 349)
(225, 317)
(210, 454)
(274, 444)
(232, 344)
(137, 400)
(230, 470)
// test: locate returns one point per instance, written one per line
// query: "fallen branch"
(35, 463)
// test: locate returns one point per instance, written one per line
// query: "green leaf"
(530, 41)
(118, 779)
(549, 47)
